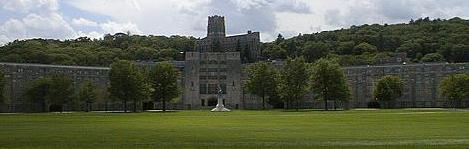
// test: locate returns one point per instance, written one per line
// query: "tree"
(51, 92)
(292, 86)
(261, 80)
(455, 88)
(328, 81)
(127, 83)
(433, 57)
(388, 89)
(315, 50)
(88, 94)
(279, 39)
(164, 83)
(365, 47)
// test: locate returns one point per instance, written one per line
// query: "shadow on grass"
(312, 110)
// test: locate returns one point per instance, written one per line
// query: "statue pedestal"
(220, 107)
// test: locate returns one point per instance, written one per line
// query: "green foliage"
(87, 52)
(364, 47)
(274, 51)
(262, 80)
(328, 81)
(388, 89)
(292, 81)
(313, 51)
(127, 83)
(51, 90)
(433, 57)
(450, 38)
(455, 88)
(88, 94)
(163, 78)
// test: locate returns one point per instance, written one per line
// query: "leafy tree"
(88, 94)
(388, 89)
(279, 39)
(273, 51)
(328, 81)
(55, 90)
(292, 86)
(315, 50)
(127, 83)
(164, 83)
(261, 81)
(364, 47)
(61, 89)
(455, 88)
(433, 57)
(346, 48)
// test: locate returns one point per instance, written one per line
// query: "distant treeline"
(424, 40)
(97, 52)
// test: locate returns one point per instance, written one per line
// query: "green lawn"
(422, 128)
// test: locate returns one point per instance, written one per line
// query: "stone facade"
(18, 77)
(217, 61)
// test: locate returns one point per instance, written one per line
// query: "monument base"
(219, 108)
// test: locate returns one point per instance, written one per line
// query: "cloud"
(359, 12)
(71, 18)
(26, 6)
(113, 27)
(189, 17)
(37, 26)
(82, 22)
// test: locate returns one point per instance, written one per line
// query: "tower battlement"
(216, 26)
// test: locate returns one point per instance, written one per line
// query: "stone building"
(217, 62)
(18, 77)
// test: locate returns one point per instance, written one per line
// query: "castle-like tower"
(216, 63)
(216, 27)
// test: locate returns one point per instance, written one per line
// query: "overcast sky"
(65, 19)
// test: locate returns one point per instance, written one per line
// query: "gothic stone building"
(216, 63)
(219, 61)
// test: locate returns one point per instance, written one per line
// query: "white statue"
(220, 107)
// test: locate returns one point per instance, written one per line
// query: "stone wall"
(18, 77)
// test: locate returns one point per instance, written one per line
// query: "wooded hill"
(424, 40)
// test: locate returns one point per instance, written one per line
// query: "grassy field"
(416, 128)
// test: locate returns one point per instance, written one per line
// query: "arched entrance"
(212, 101)
(55, 108)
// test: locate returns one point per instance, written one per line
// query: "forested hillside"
(424, 40)
(87, 52)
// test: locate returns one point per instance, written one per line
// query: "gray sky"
(64, 19)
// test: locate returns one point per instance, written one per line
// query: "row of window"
(222, 77)
(212, 62)
(212, 69)
(211, 88)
